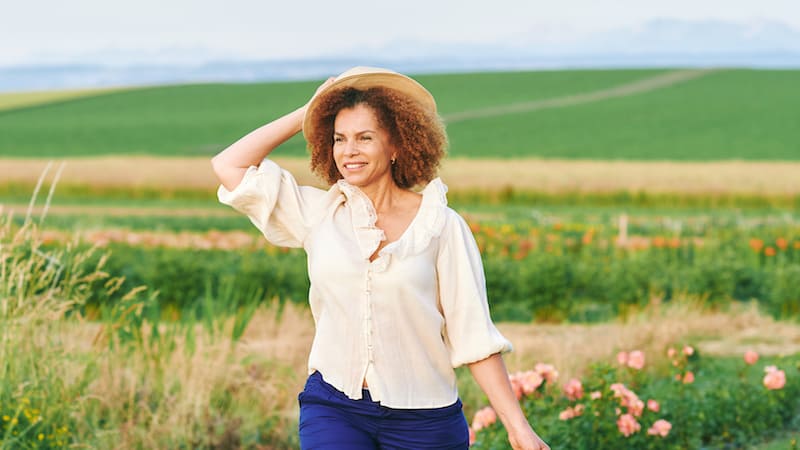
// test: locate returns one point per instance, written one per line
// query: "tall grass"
(127, 379)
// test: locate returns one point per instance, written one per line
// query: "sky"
(69, 31)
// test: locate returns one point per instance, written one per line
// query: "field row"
(542, 269)
(540, 175)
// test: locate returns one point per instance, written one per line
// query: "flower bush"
(542, 271)
(688, 402)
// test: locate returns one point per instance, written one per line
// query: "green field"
(729, 114)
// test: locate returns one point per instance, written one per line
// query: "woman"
(397, 288)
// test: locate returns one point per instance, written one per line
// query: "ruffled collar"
(426, 225)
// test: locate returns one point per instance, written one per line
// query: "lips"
(354, 165)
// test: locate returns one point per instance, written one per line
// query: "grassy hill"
(741, 114)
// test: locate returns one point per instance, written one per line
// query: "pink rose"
(525, 382)
(573, 389)
(516, 386)
(546, 371)
(688, 350)
(596, 395)
(530, 381)
(636, 360)
(635, 406)
(688, 378)
(627, 425)
(472, 436)
(774, 379)
(660, 428)
(671, 352)
(571, 412)
(618, 389)
(653, 405)
(750, 357)
(483, 418)
(622, 358)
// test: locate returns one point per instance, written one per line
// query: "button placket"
(368, 315)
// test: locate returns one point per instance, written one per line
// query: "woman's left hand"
(525, 438)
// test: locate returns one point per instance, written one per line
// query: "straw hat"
(362, 77)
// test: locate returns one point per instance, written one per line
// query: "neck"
(383, 195)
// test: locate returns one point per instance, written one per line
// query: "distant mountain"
(676, 36)
(658, 43)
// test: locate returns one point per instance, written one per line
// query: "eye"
(337, 139)
(366, 138)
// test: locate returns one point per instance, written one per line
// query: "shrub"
(723, 404)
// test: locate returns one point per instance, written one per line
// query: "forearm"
(231, 164)
(492, 376)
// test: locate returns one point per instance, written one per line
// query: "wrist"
(518, 425)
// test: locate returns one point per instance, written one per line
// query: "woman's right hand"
(231, 164)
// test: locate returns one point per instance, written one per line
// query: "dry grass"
(553, 176)
(171, 391)
(266, 369)
(10, 100)
(571, 348)
(284, 340)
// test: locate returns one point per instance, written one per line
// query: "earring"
(394, 161)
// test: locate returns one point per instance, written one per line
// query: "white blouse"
(402, 321)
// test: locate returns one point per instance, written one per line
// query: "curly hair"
(417, 133)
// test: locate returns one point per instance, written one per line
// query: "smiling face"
(361, 147)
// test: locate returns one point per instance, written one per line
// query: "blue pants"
(329, 420)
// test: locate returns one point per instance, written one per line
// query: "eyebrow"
(357, 133)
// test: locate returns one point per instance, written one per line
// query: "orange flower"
(675, 242)
(756, 244)
(797, 245)
(659, 242)
(782, 243)
(769, 251)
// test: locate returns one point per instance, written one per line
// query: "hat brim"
(366, 80)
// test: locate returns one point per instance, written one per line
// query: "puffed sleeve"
(468, 330)
(276, 205)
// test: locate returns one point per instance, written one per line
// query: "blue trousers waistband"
(330, 420)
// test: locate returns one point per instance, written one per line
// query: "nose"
(350, 147)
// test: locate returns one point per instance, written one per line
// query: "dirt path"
(635, 87)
